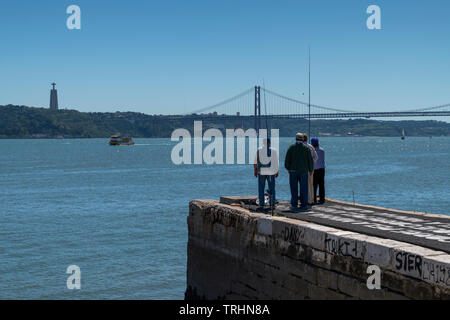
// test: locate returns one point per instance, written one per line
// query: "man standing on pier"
(319, 172)
(299, 163)
(266, 169)
(311, 198)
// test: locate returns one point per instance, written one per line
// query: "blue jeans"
(295, 178)
(261, 186)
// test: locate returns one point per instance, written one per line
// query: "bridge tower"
(257, 108)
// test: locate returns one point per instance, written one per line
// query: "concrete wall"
(235, 254)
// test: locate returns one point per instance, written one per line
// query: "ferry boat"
(121, 141)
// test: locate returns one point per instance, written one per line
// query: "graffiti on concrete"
(436, 273)
(418, 266)
(408, 262)
(342, 246)
(293, 234)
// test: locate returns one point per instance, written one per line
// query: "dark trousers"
(319, 181)
(294, 179)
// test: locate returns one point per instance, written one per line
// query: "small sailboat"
(403, 134)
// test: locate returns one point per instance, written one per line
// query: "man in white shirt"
(266, 168)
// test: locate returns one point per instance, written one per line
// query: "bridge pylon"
(257, 108)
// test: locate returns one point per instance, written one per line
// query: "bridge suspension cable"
(281, 106)
(429, 108)
(224, 102)
(306, 103)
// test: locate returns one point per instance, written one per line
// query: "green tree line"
(29, 122)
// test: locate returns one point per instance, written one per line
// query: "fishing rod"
(265, 111)
(309, 93)
(269, 151)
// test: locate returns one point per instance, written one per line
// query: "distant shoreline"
(21, 122)
(106, 138)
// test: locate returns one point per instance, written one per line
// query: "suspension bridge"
(275, 105)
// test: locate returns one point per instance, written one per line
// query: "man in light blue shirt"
(319, 172)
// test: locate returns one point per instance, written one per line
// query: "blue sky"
(177, 56)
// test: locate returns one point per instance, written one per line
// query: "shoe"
(304, 209)
(293, 208)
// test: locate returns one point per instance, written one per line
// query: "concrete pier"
(237, 253)
(428, 230)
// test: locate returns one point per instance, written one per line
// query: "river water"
(119, 213)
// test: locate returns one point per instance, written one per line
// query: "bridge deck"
(427, 230)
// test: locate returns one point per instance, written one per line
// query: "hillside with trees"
(29, 122)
